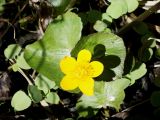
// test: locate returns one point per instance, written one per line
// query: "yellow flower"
(80, 73)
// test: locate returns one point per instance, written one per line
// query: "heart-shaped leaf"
(43, 83)
(59, 39)
(20, 101)
(35, 93)
(106, 47)
(12, 51)
(52, 98)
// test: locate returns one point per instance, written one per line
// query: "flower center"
(83, 70)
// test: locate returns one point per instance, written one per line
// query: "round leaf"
(43, 83)
(99, 26)
(20, 101)
(132, 5)
(59, 39)
(12, 51)
(114, 10)
(52, 98)
(34, 93)
(107, 48)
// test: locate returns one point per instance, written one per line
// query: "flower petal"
(87, 86)
(97, 68)
(69, 82)
(84, 55)
(67, 64)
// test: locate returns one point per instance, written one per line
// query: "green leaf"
(52, 98)
(138, 71)
(132, 5)
(155, 97)
(129, 63)
(45, 84)
(12, 51)
(145, 54)
(123, 5)
(35, 93)
(20, 101)
(148, 41)
(15, 67)
(108, 48)
(84, 17)
(21, 62)
(59, 39)
(114, 92)
(141, 28)
(105, 94)
(86, 112)
(91, 16)
(106, 18)
(61, 5)
(115, 10)
(2, 2)
(157, 53)
(99, 26)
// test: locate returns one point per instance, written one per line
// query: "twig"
(140, 18)
(2, 35)
(130, 108)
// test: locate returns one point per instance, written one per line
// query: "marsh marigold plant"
(80, 72)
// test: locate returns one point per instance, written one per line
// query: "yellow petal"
(67, 64)
(69, 82)
(87, 86)
(97, 68)
(84, 55)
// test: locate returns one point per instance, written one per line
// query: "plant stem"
(25, 76)
(140, 18)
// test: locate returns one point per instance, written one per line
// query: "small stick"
(140, 18)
